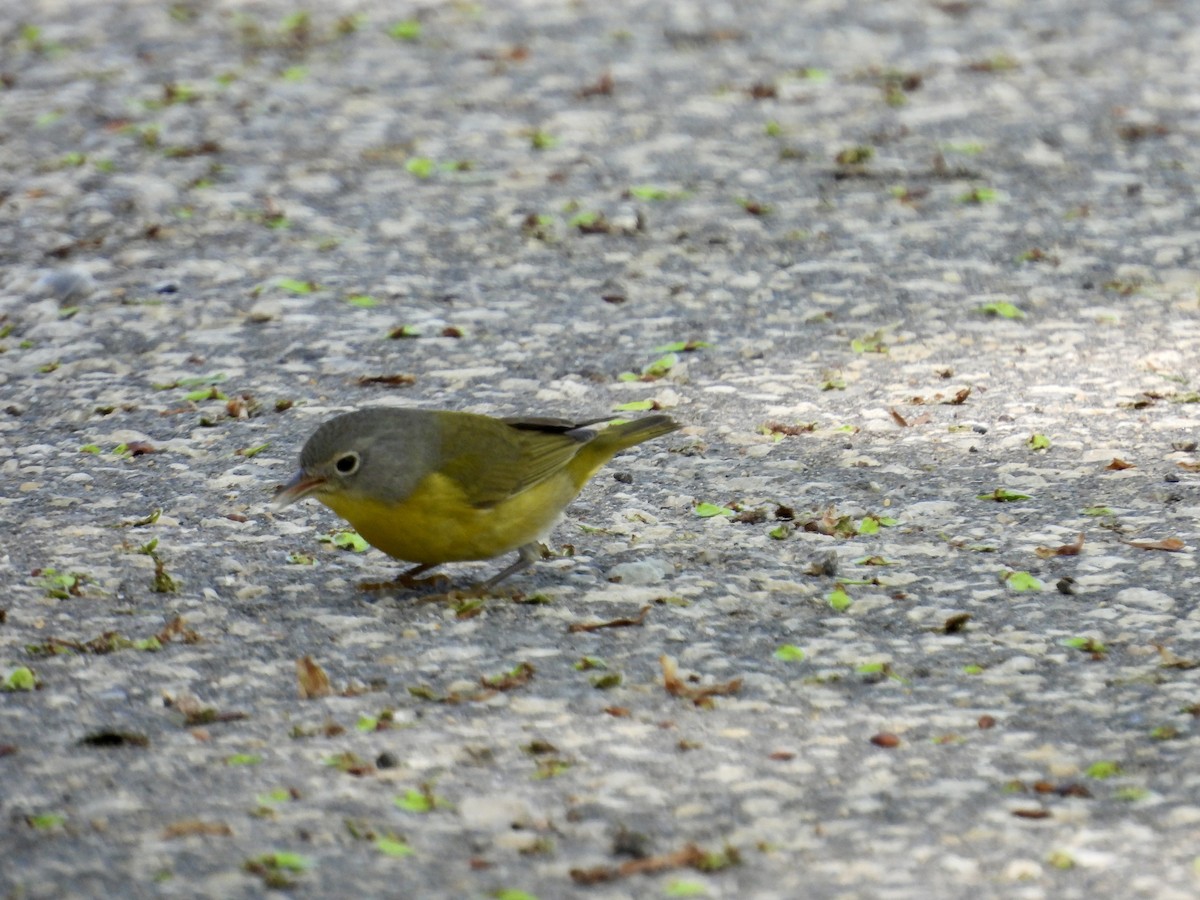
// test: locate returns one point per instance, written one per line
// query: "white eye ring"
(347, 463)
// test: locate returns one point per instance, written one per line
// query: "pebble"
(641, 573)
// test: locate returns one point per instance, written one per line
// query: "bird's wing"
(493, 462)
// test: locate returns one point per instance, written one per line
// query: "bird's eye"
(347, 463)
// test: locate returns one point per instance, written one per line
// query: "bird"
(437, 486)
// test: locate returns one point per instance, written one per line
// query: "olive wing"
(494, 459)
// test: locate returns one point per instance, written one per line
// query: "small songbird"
(434, 486)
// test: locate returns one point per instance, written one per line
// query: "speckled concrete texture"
(932, 276)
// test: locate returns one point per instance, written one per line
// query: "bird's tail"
(615, 438)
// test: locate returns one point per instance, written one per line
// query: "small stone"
(642, 572)
(65, 285)
(494, 812)
(386, 760)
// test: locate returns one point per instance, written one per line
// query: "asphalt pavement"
(906, 609)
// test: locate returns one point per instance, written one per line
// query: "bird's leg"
(527, 555)
(406, 579)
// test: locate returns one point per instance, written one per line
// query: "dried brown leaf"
(177, 629)
(956, 623)
(1169, 660)
(639, 619)
(690, 856)
(312, 679)
(388, 380)
(772, 427)
(1171, 545)
(1035, 813)
(188, 827)
(1065, 550)
(701, 696)
(520, 676)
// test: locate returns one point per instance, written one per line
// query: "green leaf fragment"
(192, 381)
(295, 286)
(1021, 581)
(20, 679)
(1086, 644)
(550, 768)
(1003, 309)
(243, 759)
(1038, 442)
(607, 681)
(789, 653)
(1130, 793)
(838, 599)
(1003, 495)
(362, 301)
(584, 219)
(390, 846)
(708, 510)
(345, 540)
(46, 821)
(651, 192)
(854, 156)
(210, 393)
(979, 195)
(870, 344)
(1103, 769)
(1061, 859)
(966, 148)
(513, 894)
(405, 30)
(418, 800)
(290, 862)
(420, 166)
(678, 888)
(1098, 511)
(634, 405)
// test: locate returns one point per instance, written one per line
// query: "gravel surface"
(931, 275)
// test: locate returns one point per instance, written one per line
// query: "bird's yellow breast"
(436, 524)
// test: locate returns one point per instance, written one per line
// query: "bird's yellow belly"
(435, 524)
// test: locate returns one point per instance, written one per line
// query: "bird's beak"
(301, 485)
